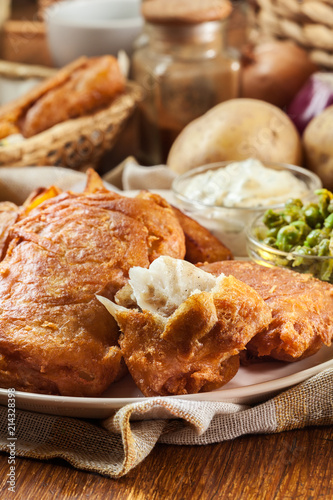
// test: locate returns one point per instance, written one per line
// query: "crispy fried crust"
(201, 244)
(9, 214)
(302, 309)
(197, 348)
(80, 88)
(55, 337)
(166, 236)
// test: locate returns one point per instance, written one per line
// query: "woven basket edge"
(71, 130)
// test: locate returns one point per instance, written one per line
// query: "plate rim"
(220, 395)
(259, 389)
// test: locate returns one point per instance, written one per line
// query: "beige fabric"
(129, 175)
(116, 445)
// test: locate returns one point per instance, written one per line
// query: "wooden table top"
(293, 464)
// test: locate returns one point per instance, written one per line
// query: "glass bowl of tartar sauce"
(226, 196)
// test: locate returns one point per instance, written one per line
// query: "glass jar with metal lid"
(184, 68)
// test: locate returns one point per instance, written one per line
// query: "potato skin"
(318, 146)
(235, 130)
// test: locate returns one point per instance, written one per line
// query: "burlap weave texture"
(116, 445)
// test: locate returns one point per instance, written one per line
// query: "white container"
(229, 223)
(91, 28)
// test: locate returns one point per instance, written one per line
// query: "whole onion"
(274, 71)
(315, 96)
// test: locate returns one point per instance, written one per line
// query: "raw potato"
(318, 146)
(237, 129)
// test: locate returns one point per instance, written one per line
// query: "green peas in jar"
(305, 232)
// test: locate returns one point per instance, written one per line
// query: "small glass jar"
(185, 69)
(238, 24)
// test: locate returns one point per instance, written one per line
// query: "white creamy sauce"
(244, 184)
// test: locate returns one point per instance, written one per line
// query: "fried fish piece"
(9, 213)
(301, 306)
(166, 236)
(201, 244)
(55, 336)
(182, 329)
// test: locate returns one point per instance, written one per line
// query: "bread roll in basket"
(77, 142)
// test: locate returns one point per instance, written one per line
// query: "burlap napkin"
(115, 446)
(129, 175)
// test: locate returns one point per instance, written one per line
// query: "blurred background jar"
(238, 25)
(185, 68)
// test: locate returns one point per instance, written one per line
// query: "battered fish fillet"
(182, 329)
(55, 336)
(301, 306)
(9, 214)
(201, 244)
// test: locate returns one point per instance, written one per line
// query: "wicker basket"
(76, 143)
(309, 23)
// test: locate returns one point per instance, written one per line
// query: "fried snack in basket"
(71, 119)
(55, 336)
(80, 88)
(301, 306)
(182, 329)
(9, 214)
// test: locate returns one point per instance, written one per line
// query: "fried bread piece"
(8, 128)
(302, 309)
(80, 88)
(55, 336)
(182, 329)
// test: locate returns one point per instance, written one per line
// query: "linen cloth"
(114, 446)
(129, 175)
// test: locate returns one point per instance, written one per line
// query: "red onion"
(311, 100)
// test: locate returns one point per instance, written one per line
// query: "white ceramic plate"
(252, 384)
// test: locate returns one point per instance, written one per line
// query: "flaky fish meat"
(182, 329)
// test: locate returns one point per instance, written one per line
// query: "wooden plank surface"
(295, 464)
